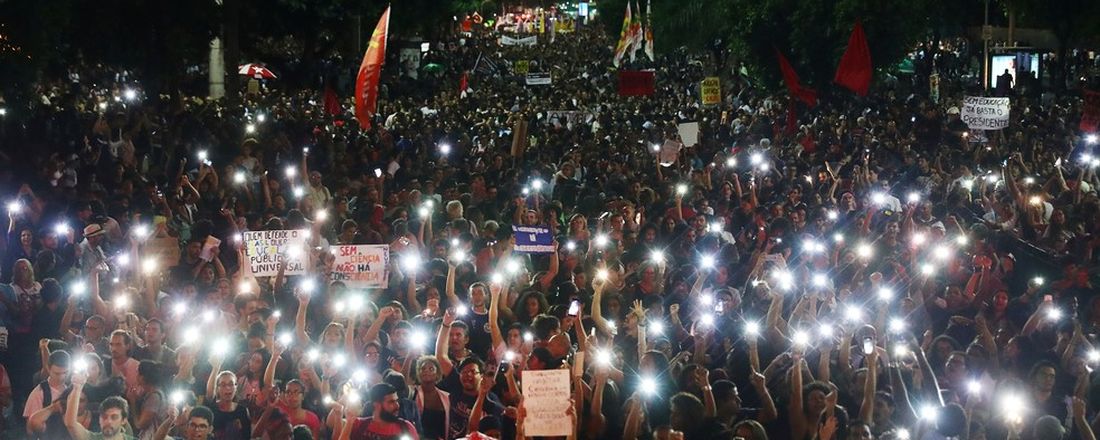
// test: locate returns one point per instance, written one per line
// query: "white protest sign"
(980, 113)
(689, 133)
(361, 266)
(670, 150)
(511, 41)
(546, 398)
(265, 249)
(538, 79)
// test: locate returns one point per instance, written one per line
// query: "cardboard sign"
(980, 113)
(538, 79)
(711, 90)
(266, 249)
(546, 398)
(533, 239)
(362, 266)
(166, 250)
(689, 133)
(521, 67)
(670, 151)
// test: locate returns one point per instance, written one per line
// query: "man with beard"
(198, 424)
(383, 424)
(113, 413)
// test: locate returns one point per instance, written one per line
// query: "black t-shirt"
(480, 337)
(229, 425)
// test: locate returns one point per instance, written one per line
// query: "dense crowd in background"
(855, 270)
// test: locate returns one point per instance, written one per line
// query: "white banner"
(689, 133)
(265, 249)
(525, 41)
(361, 266)
(545, 398)
(980, 113)
(538, 79)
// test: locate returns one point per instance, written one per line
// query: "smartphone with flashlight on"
(719, 307)
(574, 307)
(868, 346)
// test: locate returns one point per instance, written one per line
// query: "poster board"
(546, 398)
(364, 266)
(266, 249)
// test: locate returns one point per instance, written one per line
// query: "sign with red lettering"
(364, 266)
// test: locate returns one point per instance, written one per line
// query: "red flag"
(854, 71)
(464, 82)
(792, 120)
(636, 83)
(332, 102)
(807, 95)
(366, 84)
(1090, 113)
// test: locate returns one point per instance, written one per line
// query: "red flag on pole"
(854, 71)
(804, 94)
(366, 84)
(463, 84)
(332, 102)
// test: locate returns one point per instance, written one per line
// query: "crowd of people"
(854, 270)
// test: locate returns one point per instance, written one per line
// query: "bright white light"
(308, 285)
(1035, 200)
(496, 278)
(681, 189)
(764, 166)
(313, 354)
(62, 228)
(962, 240)
(208, 316)
(359, 375)
(832, 215)
(864, 250)
(15, 207)
(1013, 406)
(752, 328)
(655, 147)
(707, 320)
(238, 177)
(974, 387)
(418, 339)
(122, 302)
(129, 94)
(338, 307)
(190, 335)
(878, 198)
(509, 356)
(941, 252)
(929, 413)
(512, 266)
(838, 237)
(149, 266)
(355, 303)
(800, 338)
(80, 364)
(913, 197)
(299, 192)
(897, 325)
(706, 299)
(825, 330)
(536, 184)
(122, 260)
(715, 227)
(784, 279)
(657, 256)
(176, 397)
(756, 158)
(250, 128)
(528, 337)
(260, 117)
(286, 338)
(1090, 138)
(445, 149)
(927, 269)
(1054, 314)
(570, 245)
(339, 360)
(968, 184)
(1029, 180)
(708, 261)
(277, 314)
(811, 246)
(656, 328)
(352, 397)
(603, 357)
(461, 310)
(602, 240)
(820, 280)
(601, 274)
(918, 238)
(1038, 281)
(853, 313)
(885, 294)
(141, 231)
(327, 400)
(78, 288)
(731, 162)
(902, 434)
(458, 256)
(901, 350)
(179, 308)
(102, 106)
(291, 171)
(220, 347)
(649, 386)
(203, 155)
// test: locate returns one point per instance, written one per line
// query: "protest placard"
(546, 399)
(362, 266)
(538, 79)
(266, 249)
(670, 150)
(521, 67)
(711, 90)
(533, 239)
(981, 113)
(512, 41)
(689, 133)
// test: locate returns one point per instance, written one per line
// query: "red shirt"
(308, 418)
(364, 428)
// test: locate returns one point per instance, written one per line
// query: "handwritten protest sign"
(670, 150)
(533, 239)
(546, 398)
(711, 90)
(265, 249)
(980, 113)
(361, 266)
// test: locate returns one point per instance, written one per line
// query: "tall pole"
(986, 36)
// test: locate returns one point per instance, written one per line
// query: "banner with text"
(981, 113)
(363, 266)
(538, 79)
(512, 41)
(266, 249)
(533, 239)
(544, 399)
(711, 90)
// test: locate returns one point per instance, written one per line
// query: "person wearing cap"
(90, 251)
